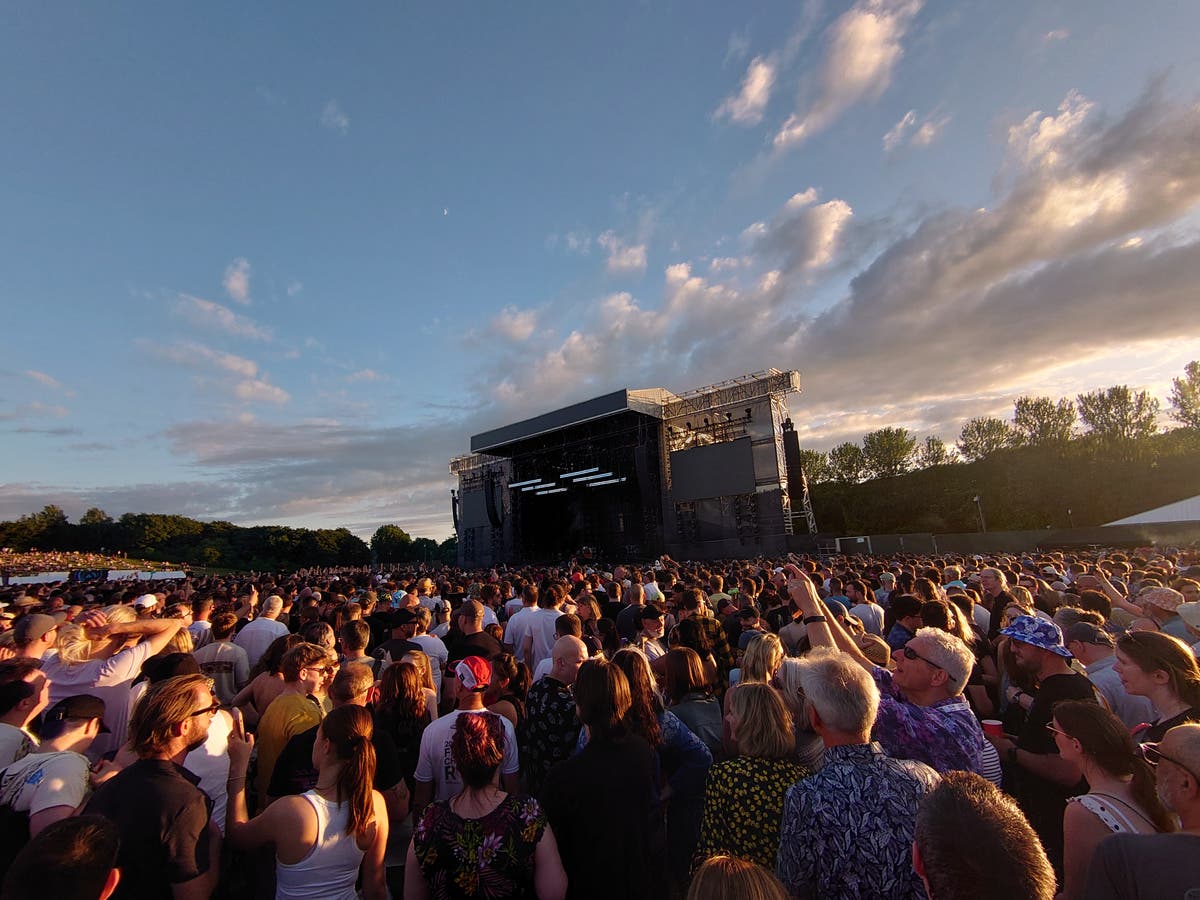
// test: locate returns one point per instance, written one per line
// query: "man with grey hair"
(923, 714)
(847, 830)
(259, 634)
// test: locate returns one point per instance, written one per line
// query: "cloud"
(1058, 34)
(806, 233)
(34, 410)
(364, 375)
(747, 106)
(913, 131)
(202, 499)
(333, 118)
(623, 259)
(258, 390)
(207, 314)
(43, 379)
(240, 376)
(515, 324)
(294, 287)
(738, 47)
(236, 280)
(863, 47)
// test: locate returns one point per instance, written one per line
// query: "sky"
(276, 262)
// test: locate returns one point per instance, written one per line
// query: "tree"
(1119, 417)
(448, 550)
(1185, 395)
(933, 452)
(983, 436)
(888, 452)
(391, 544)
(846, 463)
(815, 465)
(1040, 421)
(95, 516)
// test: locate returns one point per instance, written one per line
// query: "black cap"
(402, 617)
(81, 706)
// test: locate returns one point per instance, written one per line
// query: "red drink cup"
(993, 727)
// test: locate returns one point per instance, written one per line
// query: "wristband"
(808, 620)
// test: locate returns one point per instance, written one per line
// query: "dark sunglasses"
(910, 653)
(1151, 754)
(208, 710)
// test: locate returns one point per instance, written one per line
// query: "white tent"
(1179, 511)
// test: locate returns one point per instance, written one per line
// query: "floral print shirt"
(743, 805)
(549, 730)
(847, 830)
(489, 857)
(945, 736)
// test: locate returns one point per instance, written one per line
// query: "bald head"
(567, 655)
(1183, 743)
(1177, 776)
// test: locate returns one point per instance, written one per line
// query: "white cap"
(145, 601)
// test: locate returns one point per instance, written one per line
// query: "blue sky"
(277, 262)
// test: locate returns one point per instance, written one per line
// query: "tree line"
(1057, 462)
(179, 539)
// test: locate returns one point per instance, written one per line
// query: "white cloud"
(258, 390)
(929, 131)
(515, 324)
(34, 410)
(898, 132)
(364, 375)
(738, 48)
(199, 356)
(236, 280)
(333, 118)
(207, 314)
(1037, 139)
(746, 107)
(623, 259)
(43, 379)
(806, 234)
(1058, 34)
(294, 287)
(862, 49)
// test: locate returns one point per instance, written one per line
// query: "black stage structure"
(633, 474)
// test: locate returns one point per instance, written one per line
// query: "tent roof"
(1180, 511)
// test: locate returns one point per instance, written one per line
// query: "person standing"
(260, 633)
(222, 660)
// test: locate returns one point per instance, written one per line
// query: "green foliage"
(888, 452)
(846, 463)
(1185, 396)
(983, 436)
(815, 465)
(391, 544)
(933, 452)
(1041, 421)
(1119, 419)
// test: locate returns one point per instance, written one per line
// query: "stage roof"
(648, 402)
(1181, 511)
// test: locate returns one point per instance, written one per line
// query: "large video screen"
(717, 470)
(473, 509)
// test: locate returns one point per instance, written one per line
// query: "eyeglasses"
(1151, 754)
(1050, 727)
(208, 710)
(910, 653)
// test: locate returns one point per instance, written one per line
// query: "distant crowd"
(857, 727)
(35, 562)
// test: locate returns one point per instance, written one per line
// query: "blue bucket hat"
(1038, 632)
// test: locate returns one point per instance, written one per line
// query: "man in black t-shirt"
(403, 623)
(1042, 780)
(473, 641)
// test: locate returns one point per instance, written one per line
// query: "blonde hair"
(73, 644)
(420, 659)
(180, 642)
(729, 878)
(762, 659)
(764, 724)
(120, 614)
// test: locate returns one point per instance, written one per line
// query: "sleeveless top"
(1114, 815)
(330, 868)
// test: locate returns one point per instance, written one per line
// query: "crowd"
(36, 562)
(860, 727)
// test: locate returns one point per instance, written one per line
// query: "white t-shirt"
(871, 615)
(257, 636)
(542, 629)
(201, 633)
(15, 743)
(43, 781)
(435, 764)
(512, 606)
(227, 665)
(516, 630)
(544, 668)
(210, 763)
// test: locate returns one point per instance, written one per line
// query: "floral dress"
(487, 857)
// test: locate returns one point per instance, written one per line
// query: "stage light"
(593, 477)
(609, 481)
(520, 484)
(534, 487)
(582, 472)
(551, 491)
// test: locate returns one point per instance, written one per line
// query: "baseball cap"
(32, 627)
(1190, 613)
(1037, 633)
(81, 706)
(402, 617)
(1087, 633)
(474, 673)
(145, 601)
(1162, 597)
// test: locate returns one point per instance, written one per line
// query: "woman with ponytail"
(321, 837)
(1164, 670)
(1121, 798)
(484, 842)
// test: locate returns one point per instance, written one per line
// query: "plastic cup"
(993, 727)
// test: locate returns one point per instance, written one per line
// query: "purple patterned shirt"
(945, 736)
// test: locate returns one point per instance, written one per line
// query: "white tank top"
(330, 869)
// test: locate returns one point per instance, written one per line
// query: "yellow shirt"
(286, 716)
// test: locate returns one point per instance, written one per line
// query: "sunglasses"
(1151, 754)
(910, 653)
(208, 710)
